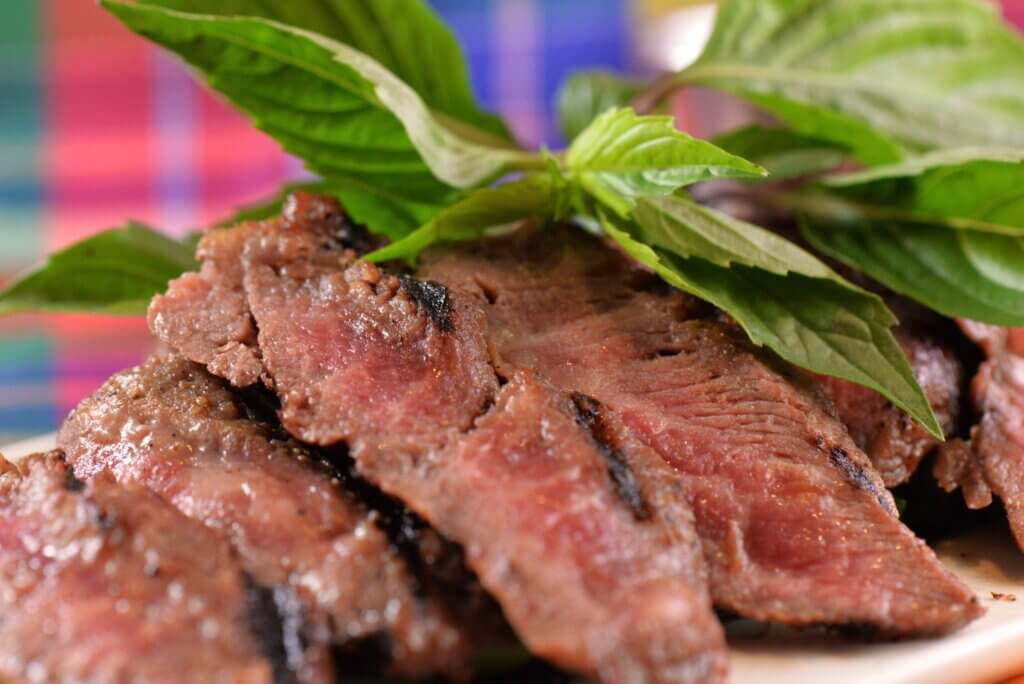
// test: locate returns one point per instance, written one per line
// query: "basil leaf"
(481, 213)
(785, 299)
(878, 76)
(974, 189)
(966, 274)
(339, 110)
(946, 229)
(393, 32)
(785, 154)
(385, 213)
(586, 94)
(688, 229)
(621, 157)
(116, 272)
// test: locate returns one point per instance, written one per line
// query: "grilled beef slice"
(998, 439)
(104, 583)
(890, 438)
(185, 435)
(589, 549)
(796, 525)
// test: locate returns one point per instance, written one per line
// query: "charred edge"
(402, 527)
(275, 622)
(856, 474)
(71, 481)
(588, 416)
(432, 297)
(261, 406)
(105, 521)
(330, 219)
(362, 658)
(437, 566)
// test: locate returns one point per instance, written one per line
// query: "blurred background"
(97, 127)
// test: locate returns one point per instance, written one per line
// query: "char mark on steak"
(791, 532)
(189, 438)
(433, 298)
(856, 473)
(276, 621)
(72, 483)
(503, 469)
(896, 444)
(119, 621)
(588, 416)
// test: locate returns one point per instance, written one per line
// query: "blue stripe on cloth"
(570, 35)
(471, 23)
(27, 401)
(19, 422)
(20, 192)
(572, 40)
(173, 130)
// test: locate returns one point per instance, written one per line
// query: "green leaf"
(481, 213)
(974, 189)
(339, 110)
(385, 213)
(782, 296)
(621, 157)
(393, 32)
(116, 272)
(688, 229)
(967, 274)
(946, 229)
(878, 76)
(587, 94)
(785, 154)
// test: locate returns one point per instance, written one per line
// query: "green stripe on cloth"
(27, 392)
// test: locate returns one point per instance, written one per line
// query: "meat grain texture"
(400, 369)
(997, 441)
(181, 432)
(106, 583)
(892, 440)
(612, 456)
(797, 526)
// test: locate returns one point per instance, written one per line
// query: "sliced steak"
(222, 334)
(796, 525)
(184, 434)
(998, 438)
(957, 465)
(104, 583)
(890, 438)
(589, 549)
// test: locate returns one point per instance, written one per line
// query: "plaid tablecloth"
(97, 127)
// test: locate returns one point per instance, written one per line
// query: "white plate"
(990, 650)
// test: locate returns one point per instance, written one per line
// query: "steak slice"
(998, 439)
(222, 334)
(796, 525)
(590, 551)
(185, 435)
(104, 583)
(957, 465)
(895, 443)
